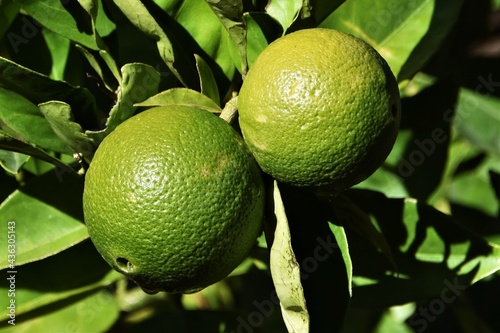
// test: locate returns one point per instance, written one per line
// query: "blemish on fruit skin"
(262, 118)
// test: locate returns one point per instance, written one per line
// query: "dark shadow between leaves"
(81, 17)
(61, 190)
(421, 275)
(426, 153)
(323, 272)
(185, 47)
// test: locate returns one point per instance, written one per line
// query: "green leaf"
(385, 181)
(353, 217)
(138, 15)
(230, 13)
(8, 142)
(405, 33)
(39, 88)
(59, 50)
(325, 267)
(8, 12)
(472, 188)
(12, 161)
(208, 84)
(75, 271)
(92, 7)
(25, 119)
(46, 222)
(284, 11)
(341, 240)
(181, 96)
(478, 119)
(68, 19)
(140, 81)
(60, 118)
(96, 312)
(261, 30)
(285, 271)
(432, 251)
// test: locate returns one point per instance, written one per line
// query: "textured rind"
(175, 192)
(319, 108)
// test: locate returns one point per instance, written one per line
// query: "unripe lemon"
(173, 199)
(320, 109)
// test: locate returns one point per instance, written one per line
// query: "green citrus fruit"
(173, 199)
(319, 108)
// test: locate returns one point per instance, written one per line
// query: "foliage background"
(416, 246)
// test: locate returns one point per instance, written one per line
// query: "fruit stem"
(230, 111)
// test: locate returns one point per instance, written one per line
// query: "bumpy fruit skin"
(319, 109)
(173, 199)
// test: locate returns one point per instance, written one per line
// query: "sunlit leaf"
(138, 15)
(181, 96)
(95, 312)
(208, 84)
(478, 119)
(405, 33)
(261, 30)
(60, 118)
(75, 271)
(10, 143)
(59, 50)
(66, 18)
(285, 271)
(39, 88)
(12, 161)
(284, 11)
(45, 222)
(230, 13)
(25, 119)
(140, 81)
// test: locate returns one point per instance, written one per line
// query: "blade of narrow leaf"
(60, 118)
(8, 142)
(12, 161)
(96, 312)
(181, 96)
(137, 13)
(140, 81)
(323, 272)
(59, 50)
(39, 88)
(285, 272)
(405, 33)
(284, 11)
(206, 32)
(208, 84)
(46, 221)
(92, 8)
(25, 119)
(66, 18)
(75, 271)
(341, 239)
(261, 30)
(230, 13)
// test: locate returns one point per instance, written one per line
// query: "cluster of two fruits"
(174, 197)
